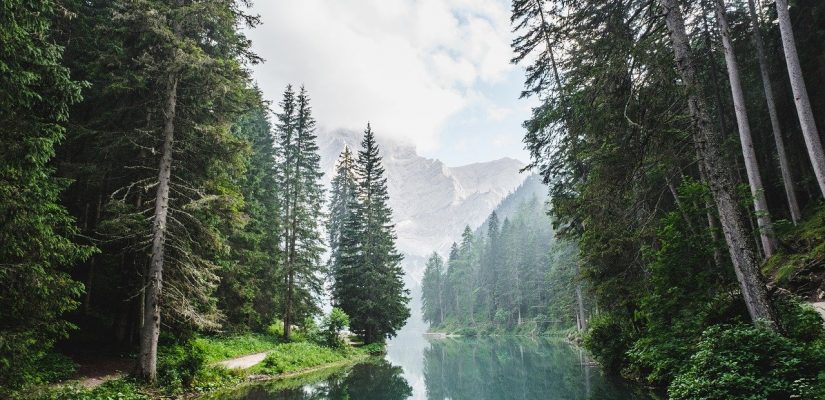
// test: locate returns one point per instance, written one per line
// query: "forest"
(679, 141)
(157, 211)
(510, 275)
(153, 203)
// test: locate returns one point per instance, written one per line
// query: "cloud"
(407, 66)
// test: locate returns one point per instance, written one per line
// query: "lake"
(418, 367)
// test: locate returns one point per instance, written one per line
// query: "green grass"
(222, 348)
(290, 357)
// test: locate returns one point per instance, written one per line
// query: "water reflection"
(456, 369)
(377, 379)
(514, 368)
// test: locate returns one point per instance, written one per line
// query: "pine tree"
(302, 202)
(369, 283)
(708, 146)
(249, 285)
(343, 195)
(37, 235)
(432, 288)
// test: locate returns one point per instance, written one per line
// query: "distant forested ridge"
(682, 145)
(512, 274)
(149, 194)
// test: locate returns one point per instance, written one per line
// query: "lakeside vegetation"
(194, 369)
(684, 161)
(151, 199)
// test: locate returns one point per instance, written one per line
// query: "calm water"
(477, 369)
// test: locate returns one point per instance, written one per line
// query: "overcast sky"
(435, 73)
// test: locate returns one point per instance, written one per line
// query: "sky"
(433, 73)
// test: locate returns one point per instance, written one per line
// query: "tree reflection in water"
(515, 368)
(377, 379)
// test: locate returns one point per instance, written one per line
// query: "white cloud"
(405, 65)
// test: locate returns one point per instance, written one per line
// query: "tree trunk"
(708, 145)
(151, 314)
(712, 226)
(581, 317)
(784, 166)
(800, 95)
(760, 203)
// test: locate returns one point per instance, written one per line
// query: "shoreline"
(254, 379)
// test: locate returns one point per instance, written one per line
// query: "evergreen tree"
(302, 199)
(343, 196)
(369, 284)
(37, 235)
(432, 289)
(249, 282)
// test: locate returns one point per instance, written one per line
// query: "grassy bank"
(190, 369)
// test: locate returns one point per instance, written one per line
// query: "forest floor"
(94, 371)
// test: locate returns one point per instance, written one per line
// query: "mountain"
(431, 201)
(531, 188)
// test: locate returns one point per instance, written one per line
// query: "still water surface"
(417, 367)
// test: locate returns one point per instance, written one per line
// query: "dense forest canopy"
(150, 194)
(682, 154)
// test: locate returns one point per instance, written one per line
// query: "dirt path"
(243, 362)
(96, 370)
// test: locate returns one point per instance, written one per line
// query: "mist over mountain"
(431, 201)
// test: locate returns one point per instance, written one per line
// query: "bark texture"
(709, 150)
(151, 308)
(760, 203)
(784, 166)
(800, 95)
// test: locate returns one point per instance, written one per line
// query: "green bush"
(467, 331)
(799, 321)
(179, 364)
(334, 323)
(119, 389)
(374, 349)
(310, 331)
(750, 363)
(276, 328)
(607, 341)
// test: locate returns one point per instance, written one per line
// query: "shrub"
(179, 364)
(750, 362)
(607, 341)
(276, 328)
(310, 331)
(119, 389)
(799, 321)
(374, 349)
(467, 331)
(334, 323)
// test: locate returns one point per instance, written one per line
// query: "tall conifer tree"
(302, 203)
(343, 197)
(37, 235)
(369, 284)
